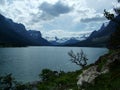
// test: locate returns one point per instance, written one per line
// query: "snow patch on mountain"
(61, 36)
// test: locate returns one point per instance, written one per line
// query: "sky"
(62, 18)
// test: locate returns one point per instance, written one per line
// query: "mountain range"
(15, 34)
(55, 40)
(99, 38)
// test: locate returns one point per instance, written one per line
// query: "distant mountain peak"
(56, 38)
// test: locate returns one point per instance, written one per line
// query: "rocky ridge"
(102, 66)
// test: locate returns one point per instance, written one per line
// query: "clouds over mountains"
(46, 15)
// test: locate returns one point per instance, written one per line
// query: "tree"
(108, 15)
(79, 59)
(47, 75)
(6, 82)
(115, 37)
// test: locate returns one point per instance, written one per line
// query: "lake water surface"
(26, 63)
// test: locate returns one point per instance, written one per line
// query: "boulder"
(88, 75)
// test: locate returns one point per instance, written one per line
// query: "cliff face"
(16, 34)
(101, 37)
(108, 65)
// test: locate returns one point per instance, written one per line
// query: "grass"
(108, 81)
(64, 81)
(101, 64)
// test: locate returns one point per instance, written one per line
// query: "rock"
(91, 73)
(88, 75)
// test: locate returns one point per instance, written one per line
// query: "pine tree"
(115, 37)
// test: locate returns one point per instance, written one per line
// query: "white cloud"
(96, 18)
(64, 34)
(32, 16)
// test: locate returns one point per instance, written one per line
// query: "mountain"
(15, 34)
(66, 40)
(100, 37)
(37, 36)
(71, 41)
(103, 31)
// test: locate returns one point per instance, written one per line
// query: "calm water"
(26, 63)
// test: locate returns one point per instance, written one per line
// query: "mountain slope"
(16, 34)
(67, 40)
(99, 38)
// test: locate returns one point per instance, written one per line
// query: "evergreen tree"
(115, 37)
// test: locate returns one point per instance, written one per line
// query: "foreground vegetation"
(52, 80)
(109, 80)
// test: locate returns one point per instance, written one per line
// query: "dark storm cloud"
(93, 19)
(55, 9)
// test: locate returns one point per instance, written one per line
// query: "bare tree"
(79, 59)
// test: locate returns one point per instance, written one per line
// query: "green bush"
(101, 64)
(47, 75)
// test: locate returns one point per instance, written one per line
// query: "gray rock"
(88, 75)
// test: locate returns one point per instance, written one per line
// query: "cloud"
(48, 15)
(96, 18)
(54, 9)
(63, 34)
(2, 2)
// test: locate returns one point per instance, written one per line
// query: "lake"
(26, 63)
